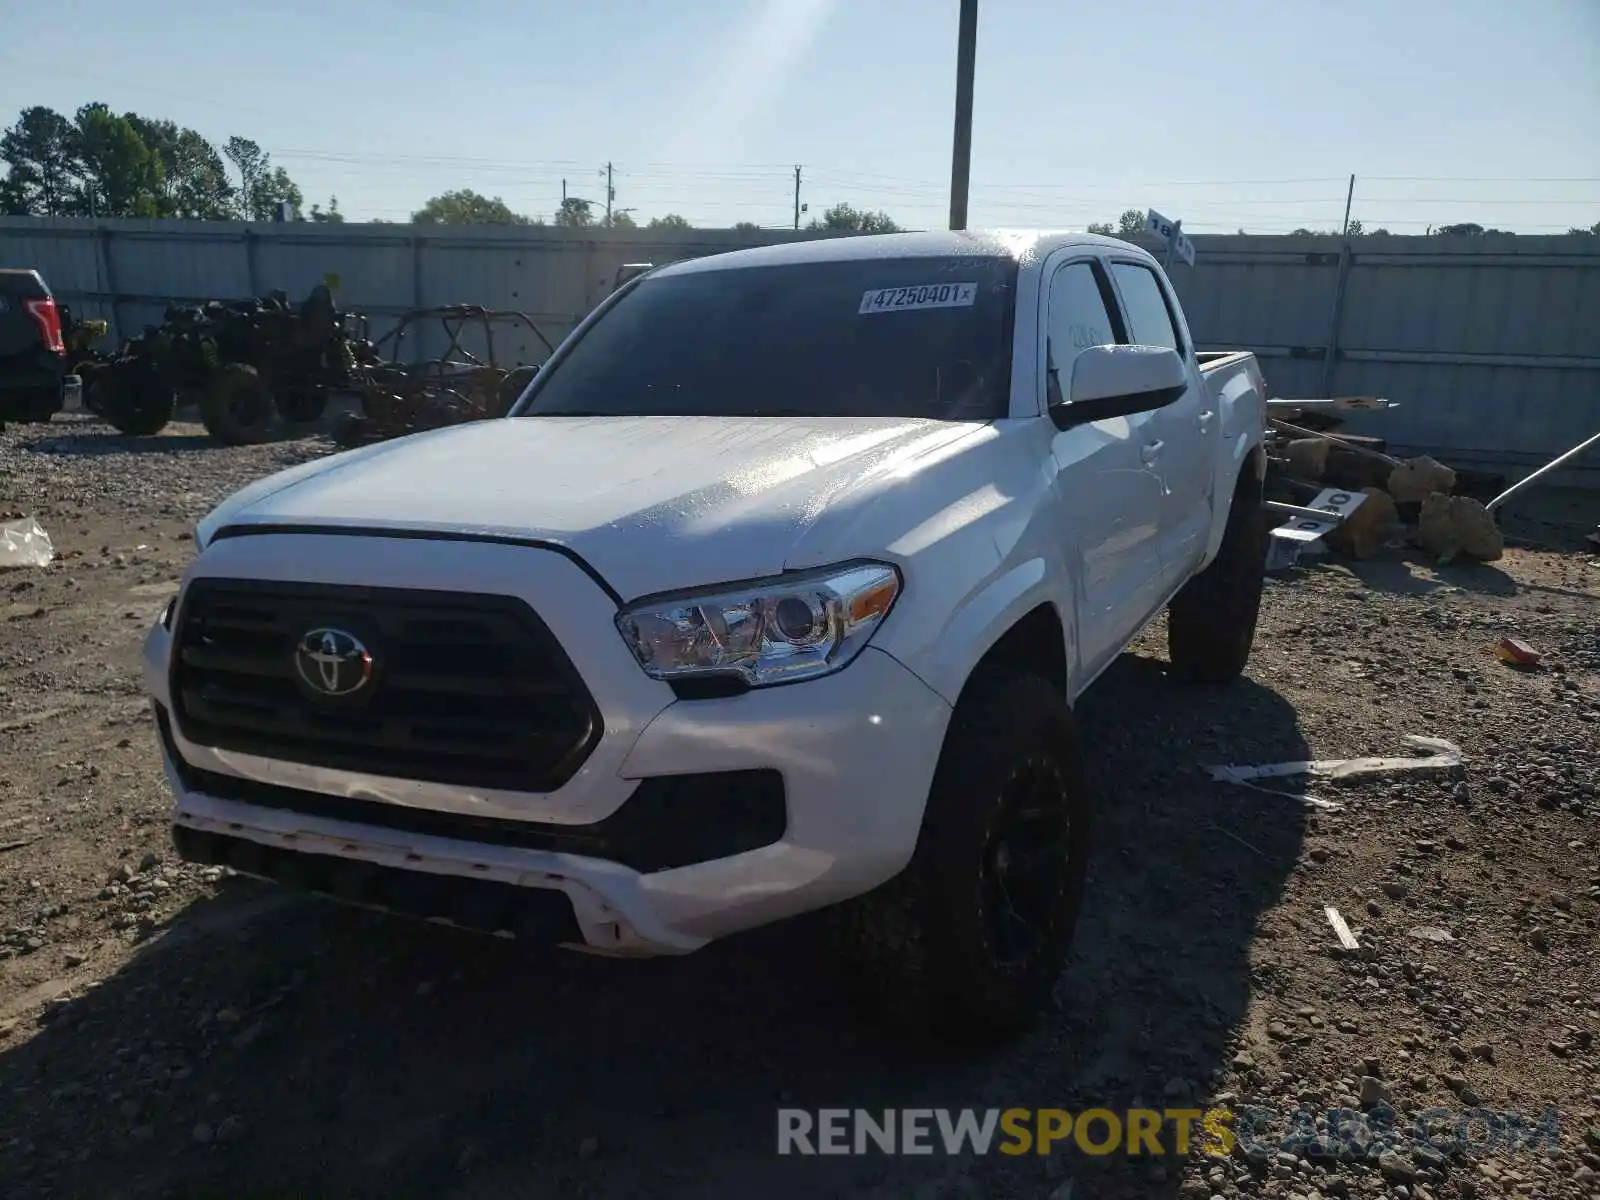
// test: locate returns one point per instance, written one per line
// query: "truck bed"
(1230, 374)
(1211, 360)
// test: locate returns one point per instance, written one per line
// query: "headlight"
(774, 631)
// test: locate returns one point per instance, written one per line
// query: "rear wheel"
(237, 408)
(30, 405)
(136, 406)
(968, 941)
(1211, 623)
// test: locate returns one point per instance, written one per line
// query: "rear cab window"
(1150, 317)
(870, 337)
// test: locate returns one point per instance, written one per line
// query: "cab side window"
(1149, 318)
(1079, 317)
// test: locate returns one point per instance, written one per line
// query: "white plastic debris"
(1340, 928)
(1299, 797)
(1444, 757)
(24, 543)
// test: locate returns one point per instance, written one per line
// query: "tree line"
(466, 207)
(1131, 223)
(100, 163)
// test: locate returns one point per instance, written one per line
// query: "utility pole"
(563, 193)
(1348, 197)
(961, 150)
(797, 195)
(611, 194)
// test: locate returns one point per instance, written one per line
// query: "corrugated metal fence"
(1490, 344)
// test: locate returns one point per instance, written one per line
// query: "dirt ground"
(172, 1031)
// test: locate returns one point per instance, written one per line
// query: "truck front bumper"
(855, 752)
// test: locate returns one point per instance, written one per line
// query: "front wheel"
(968, 941)
(1211, 622)
(237, 407)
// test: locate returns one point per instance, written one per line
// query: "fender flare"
(985, 617)
(1247, 453)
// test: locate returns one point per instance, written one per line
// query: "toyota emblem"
(333, 662)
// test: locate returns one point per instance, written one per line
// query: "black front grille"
(464, 689)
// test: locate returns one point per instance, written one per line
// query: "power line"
(1481, 179)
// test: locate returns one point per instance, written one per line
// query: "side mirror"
(1116, 381)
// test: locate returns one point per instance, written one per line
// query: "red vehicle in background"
(35, 382)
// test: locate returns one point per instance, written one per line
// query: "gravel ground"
(171, 1031)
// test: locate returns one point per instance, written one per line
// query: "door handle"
(1150, 451)
(1205, 419)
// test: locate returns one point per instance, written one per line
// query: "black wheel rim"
(1023, 871)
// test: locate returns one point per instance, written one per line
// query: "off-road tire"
(1211, 622)
(304, 407)
(137, 407)
(237, 408)
(919, 953)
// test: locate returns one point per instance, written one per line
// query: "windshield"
(889, 337)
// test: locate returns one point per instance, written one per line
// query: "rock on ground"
(1455, 526)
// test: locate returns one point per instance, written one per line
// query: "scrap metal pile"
(457, 385)
(246, 364)
(1348, 493)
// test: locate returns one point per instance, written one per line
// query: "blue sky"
(1227, 113)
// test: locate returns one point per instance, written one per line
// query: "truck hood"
(650, 503)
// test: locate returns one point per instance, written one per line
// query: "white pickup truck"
(773, 593)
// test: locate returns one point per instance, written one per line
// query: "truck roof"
(999, 243)
(22, 281)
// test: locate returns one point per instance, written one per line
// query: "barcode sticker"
(927, 295)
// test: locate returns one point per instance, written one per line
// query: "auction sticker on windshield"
(927, 295)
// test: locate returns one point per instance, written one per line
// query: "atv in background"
(246, 364)
(79, 334)
(490, 356)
